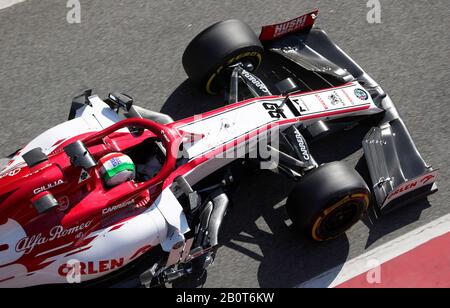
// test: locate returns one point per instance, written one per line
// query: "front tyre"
(328, 201)
(218, 47)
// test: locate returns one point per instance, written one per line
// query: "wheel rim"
(339, 218)
(254, 57)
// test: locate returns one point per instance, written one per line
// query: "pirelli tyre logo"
(250, 54)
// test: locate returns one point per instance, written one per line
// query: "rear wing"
(276, 31)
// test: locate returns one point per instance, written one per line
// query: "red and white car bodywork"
(104, 231)
(90, 230)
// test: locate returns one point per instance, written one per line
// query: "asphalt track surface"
(136, 47)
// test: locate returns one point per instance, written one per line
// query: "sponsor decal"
(301, 104)
(348, 97)
(63, 204)
(84, 175)
(403, 189)
(36, 172)
(29, 243)
(290, 26)
(258, 83)
(48, 187)
(11, 173)
(335, 99)
(321, 101)
(427, 179)
(361, 94)
(302, 144)
(117, 207)
(127, 209)
(278, 30)
(91, 267)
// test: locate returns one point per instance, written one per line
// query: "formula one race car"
(123, 194)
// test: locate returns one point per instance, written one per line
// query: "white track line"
(381, 254)
(7, 3)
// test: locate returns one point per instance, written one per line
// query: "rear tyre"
(328, 201)
(223, 44)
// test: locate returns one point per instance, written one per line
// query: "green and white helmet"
(116, 168)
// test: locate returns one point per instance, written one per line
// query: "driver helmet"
(116, 168)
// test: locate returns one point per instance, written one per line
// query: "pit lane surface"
(136, 47)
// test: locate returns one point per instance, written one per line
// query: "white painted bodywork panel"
(230, 124)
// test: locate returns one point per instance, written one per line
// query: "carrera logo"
(90, 268)
(28, 244)
(255, 81)
(115, 208)
(302, 145)
(48, 187)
